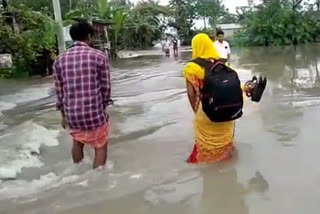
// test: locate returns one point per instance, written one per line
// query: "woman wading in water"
(213, 140)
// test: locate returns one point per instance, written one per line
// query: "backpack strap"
(207, 65)
(202, 62)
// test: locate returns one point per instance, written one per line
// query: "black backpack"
(221, 95)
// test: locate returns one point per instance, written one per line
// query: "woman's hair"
(81, 31)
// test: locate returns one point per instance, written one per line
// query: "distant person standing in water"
(82, 83)
(162, 45)
(222, 47)
(166, 47)
(175, 46)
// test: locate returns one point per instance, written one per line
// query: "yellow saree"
(213, 141)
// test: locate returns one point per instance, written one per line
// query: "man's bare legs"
(100, 156)
(77, 151)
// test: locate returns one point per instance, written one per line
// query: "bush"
(33, 34)
(274, 23)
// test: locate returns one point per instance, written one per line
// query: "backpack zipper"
(227, 106)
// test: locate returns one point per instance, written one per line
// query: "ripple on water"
(145, 98)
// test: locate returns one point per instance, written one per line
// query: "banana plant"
(119, 18)
(103, 10)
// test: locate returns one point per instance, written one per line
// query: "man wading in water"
(175, 46)
(82, 83)
(222, 47)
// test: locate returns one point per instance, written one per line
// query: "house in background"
(229, 29)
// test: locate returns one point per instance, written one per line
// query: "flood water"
(275, 169)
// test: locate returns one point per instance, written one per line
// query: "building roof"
(229, 26)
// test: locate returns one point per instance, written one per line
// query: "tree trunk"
(295, 4)
(116, 43)
(4, 4)
(205, 23)
(140, 40)
(317, 70)
(70, 5)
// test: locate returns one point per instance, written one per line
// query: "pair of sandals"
(257, 85)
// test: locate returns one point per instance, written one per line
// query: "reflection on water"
(222, 192)
(225, 186)
(274, 171)
(300, 67)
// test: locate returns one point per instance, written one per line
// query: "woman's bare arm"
(192, 95)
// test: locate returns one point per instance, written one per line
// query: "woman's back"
(211, 138)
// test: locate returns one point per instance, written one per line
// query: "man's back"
(83, 86)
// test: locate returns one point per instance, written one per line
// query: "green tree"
(144, 24)
(242, 13)
(227, 17)
(276, 22)
(98, 8)
(210, 10)
(82, 10)
(39, 5)
(33, 34)
(103, 9)
(184, 15)
(119, 19)
(151, 8)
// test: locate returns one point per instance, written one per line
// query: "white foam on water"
(3, 107)
(136, 176)
(8, 173)
(21, 188)
(83, 183)
(30, 190)
(20, 148)
(16, 189)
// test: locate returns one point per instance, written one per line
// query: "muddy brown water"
(275, 168)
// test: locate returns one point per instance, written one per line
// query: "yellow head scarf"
(212, 139)
(202, 47)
